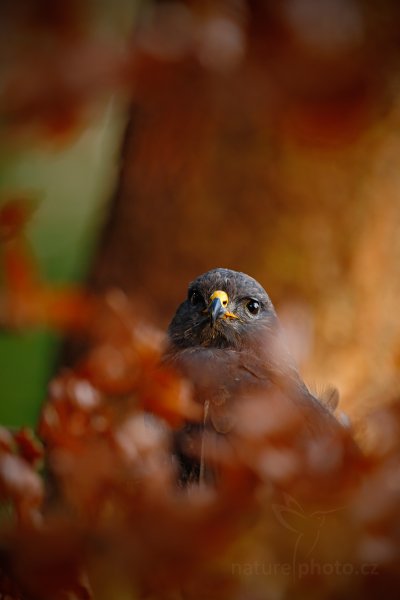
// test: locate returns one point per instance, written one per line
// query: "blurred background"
(159, 139)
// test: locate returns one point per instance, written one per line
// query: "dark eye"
(253, 306)
(195, 298)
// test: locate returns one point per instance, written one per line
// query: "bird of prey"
(227, 340)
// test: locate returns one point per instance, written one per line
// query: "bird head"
(223, 309)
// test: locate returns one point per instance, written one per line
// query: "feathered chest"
(220, 378)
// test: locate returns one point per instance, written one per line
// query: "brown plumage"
(227, 340)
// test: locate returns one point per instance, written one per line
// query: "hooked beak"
(217, 308)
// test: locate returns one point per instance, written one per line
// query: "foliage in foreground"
(92, 507)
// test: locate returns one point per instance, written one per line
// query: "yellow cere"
(223, 296)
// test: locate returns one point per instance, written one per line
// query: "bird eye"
(253, 306)
(195, 298)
